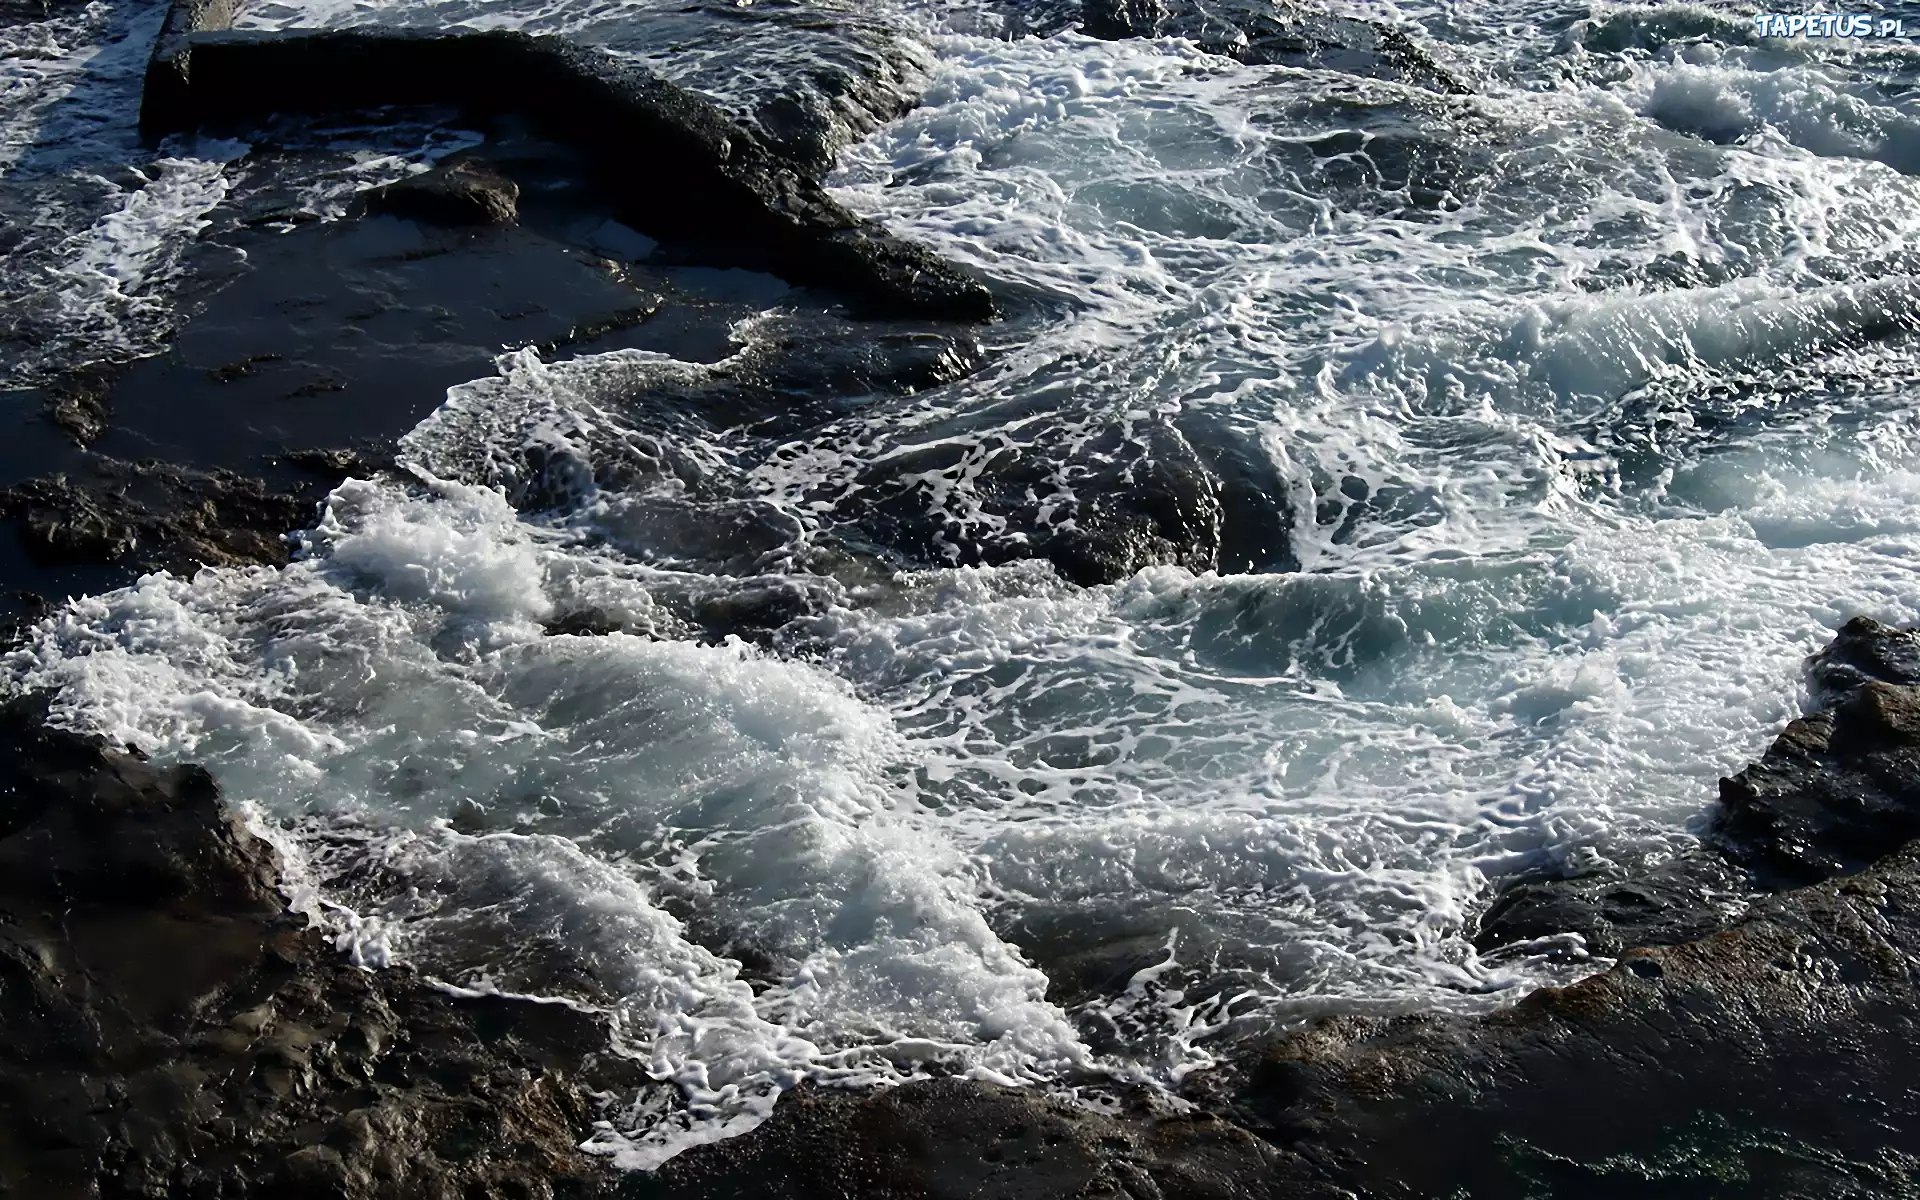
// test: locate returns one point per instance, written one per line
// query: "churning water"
(1592, 402)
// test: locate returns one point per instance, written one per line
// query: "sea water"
(1592, 398)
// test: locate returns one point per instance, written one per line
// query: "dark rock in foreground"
(1773, 1058)
(1841, 787)
(168, 1029)
(954, 1140)
(1673, 902)
(1282, 34)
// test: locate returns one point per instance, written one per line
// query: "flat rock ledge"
(674, 164)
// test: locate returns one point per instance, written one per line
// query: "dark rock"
(463, 192)
(168, 1029)
(1838, 788)
(954, 1140)
(79, 404)
(1764, 1059)
(1281, 34)
(1114, 503)
(1770, 1059)
(156, 516)
(674, 163)
(809, 76)
(1864, 649)
(1680, 900)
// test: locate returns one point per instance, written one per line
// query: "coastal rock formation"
(808, 76)
(1840, 787)
(1284, 34)
(673, 163)
(954, 1140)
(1770, 1058)
(168, 1029)
(156, 516)
(464, 192)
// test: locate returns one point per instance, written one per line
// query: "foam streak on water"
(1592, 401)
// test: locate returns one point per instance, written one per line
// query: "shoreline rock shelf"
(673, 164)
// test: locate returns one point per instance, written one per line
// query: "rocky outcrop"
(808, 76)
(1836, 791)
(1840, 787)
(673, 163)
(1280, 34)
(954, 1140)
(168, 1029)
(464, 192)
(157, 516)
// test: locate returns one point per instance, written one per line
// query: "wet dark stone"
(1766, 1060)
(1755, 1056)
(80, 404)
(1680, 900)
(168, 1029)
(1838, 788)
(464, 192)
(949, 1139)
(160, 517)
(153, 515)
(1865, 649)
(1836, 791)
(1116, 503)
(675, 165)
(1284, 34)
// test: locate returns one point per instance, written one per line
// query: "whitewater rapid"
(1592, 399)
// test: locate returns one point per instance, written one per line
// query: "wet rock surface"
(952, 1140)
(168, 1029)
(465, 192)
(1284, 34)
(1769, 1058)
(675, 163)
(1603, 915)
(152, 515)
(1841, 787)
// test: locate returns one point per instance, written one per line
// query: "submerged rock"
(1279, 34)
(464, 192)
(955, 1140)
(1100, 510)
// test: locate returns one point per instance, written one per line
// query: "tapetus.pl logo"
(1829, 25)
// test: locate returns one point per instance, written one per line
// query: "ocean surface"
(1593, 396)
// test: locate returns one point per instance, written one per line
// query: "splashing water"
(1591, 403)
